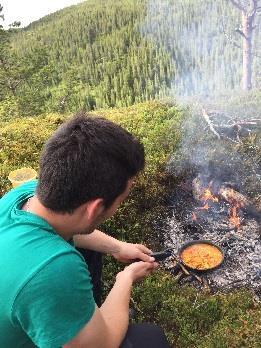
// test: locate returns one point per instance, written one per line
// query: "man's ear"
(94, 208)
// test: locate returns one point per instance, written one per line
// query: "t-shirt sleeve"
(56, 303)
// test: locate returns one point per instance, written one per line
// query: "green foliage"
(100, 58)
(194, 319)
(25, 83)
(9, 108)
(21, 142)
(189, 317)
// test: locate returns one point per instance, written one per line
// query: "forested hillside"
(96, 57)
(106, 53)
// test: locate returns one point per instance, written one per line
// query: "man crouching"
(87, 169)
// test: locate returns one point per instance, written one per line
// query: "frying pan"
(201, 241)
(162, 255)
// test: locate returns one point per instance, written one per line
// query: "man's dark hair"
(86, 158)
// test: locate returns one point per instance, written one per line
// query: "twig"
(186, 271)
(195, 300)
(201, 304)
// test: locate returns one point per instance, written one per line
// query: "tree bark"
(247, 29)
(248, 13)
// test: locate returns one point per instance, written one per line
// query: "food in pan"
(201, 256)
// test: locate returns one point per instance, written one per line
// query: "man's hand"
(137, 270)
(128, 252)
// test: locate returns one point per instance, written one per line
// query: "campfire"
(224, 216)
(211, 203)
(226, 201)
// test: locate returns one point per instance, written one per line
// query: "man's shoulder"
(16, 195)
(57, 257)
(27, 187)
(61, 267)
(36, 256)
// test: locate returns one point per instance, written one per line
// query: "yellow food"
(201, 256)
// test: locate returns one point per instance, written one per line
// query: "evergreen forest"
(106, 53)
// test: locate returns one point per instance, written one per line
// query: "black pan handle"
(158, 256)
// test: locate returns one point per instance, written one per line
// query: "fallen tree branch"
(230, 131)
(211, 126)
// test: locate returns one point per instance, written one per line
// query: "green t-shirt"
(45, 288)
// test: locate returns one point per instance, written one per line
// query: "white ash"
(242, 263)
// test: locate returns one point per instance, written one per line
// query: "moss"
(193, 319)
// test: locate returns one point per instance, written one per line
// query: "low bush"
(189, 317)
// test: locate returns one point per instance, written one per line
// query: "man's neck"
(64, 224)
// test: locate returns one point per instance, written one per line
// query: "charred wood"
(186, 271)
(234, 197)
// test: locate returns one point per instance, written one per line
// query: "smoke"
(235, 156)
(200, 37)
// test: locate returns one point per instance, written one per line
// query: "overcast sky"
(27, 11)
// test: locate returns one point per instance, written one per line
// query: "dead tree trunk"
(248, 12)
(247, 29)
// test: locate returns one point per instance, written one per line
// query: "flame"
(234, 206)
(207, 196)
(205, 207)
(234, 219)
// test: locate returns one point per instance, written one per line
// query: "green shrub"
(189, 317)
(198, 319)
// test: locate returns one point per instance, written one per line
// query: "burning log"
(203, 194)
(235, 198)
(232, 196)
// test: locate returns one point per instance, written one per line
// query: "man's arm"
(109, 324)
(122, 251)
(97, 241)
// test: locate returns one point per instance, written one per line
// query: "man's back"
(35, 264)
